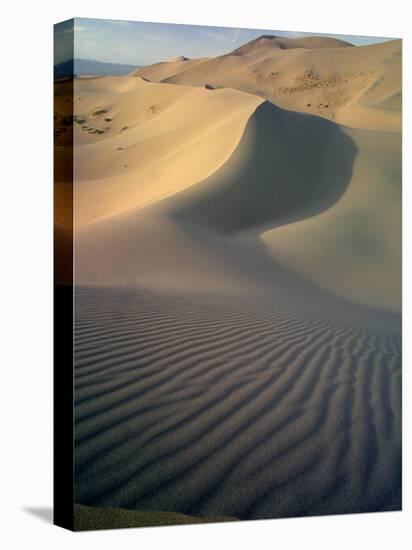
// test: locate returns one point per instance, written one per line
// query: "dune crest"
(281, 168)
(335, 81)
(271, 41)
(287, 166)
(175, 137)
(167, 69)
(243, 167)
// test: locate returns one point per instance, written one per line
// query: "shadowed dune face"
(156, 140)
(354, 249)
(286, 167)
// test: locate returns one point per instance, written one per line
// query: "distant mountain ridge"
(91, 67)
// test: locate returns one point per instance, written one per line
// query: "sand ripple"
(210, 405)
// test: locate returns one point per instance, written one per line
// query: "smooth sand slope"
(354, 249)
(342, 187)
(356, 86)
(166, 69)
(164, 136)
(238, 262)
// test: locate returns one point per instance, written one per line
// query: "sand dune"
(277, 42)
(167, 69)
(346, 84)
(238, 270)
(149, 132)
(287, 166)
(324, 201)
(355, 248)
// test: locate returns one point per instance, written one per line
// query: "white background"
(26, 273)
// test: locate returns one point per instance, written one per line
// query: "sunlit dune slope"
(281, 43)
(297, 189)
(191, 181)
(140, 141)
(356, 86)
(166, 69)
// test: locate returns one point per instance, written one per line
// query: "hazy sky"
(138, 43)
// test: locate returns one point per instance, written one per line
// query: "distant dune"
(277, 42)
(167, 69)
(351, 85)
(238, 262)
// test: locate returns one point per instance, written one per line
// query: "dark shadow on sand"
(288, 166)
